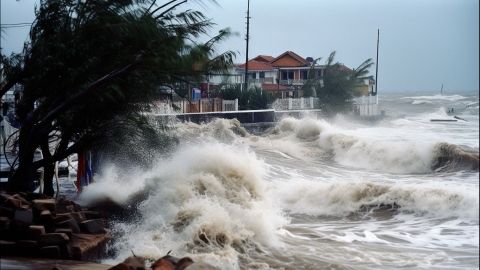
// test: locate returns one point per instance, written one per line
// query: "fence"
(296, 104)
(367, 106)
(196, 106)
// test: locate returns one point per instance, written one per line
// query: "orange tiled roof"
(275, 87)
(255, 65)
(264, 58)
(289, 59)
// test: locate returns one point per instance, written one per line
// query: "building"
(283, 75)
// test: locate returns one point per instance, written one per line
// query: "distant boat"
(443, 120)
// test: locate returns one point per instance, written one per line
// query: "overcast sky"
(423, 43)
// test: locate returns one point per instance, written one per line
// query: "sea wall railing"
(296, 104)
(196, 106)
(367, 105)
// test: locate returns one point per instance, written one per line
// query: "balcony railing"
(293, 82)
(262, 80)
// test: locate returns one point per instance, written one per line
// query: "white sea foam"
(342, 198)
(305, 193)
(437, 97)
(417, 102)
(212, 196)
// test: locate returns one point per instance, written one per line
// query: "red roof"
(264, 58)
(255, 65)
(275, 87)
(290, 59)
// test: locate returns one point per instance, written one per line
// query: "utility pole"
(247, 38)
(376, 65)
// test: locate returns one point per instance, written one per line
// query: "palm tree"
(338, 86)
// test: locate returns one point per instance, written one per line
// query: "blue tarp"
(196, 94)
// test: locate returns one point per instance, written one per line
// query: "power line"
(13, 25)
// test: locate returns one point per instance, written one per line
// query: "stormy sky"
(423, 43)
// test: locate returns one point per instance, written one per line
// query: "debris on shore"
(36, 225)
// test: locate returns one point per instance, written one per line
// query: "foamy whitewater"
(401, 192)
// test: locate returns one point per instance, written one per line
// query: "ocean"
(311, 193)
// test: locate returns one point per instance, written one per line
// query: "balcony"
(263, 80)
(293, 82)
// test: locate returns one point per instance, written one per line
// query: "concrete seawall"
(253, 116)
(244, 117)
(254, 121)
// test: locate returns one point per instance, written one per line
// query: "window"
(304, 74)
(262, 75)
(287, 75)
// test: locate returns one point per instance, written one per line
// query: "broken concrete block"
(62, 217)
(51, 252)
(52, 239)
(100, 222)
(13, 203)
(8, 248)
(91, 226)
(71, 223)
(46, 219)
(34, 231)
(47, 203)
(24, 201)
(67, 231)
(78, 216)
(136, 262)
(37, 210)
(23, 215)
(87, 247)
(93, 214)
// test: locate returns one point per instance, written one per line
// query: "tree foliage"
(338, 85)
(253, 99)
(93, 67)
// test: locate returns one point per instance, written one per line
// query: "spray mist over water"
(216, 200)
(206, 198)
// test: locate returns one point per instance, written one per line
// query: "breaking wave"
(344, 198)
(311, 138)
(208, 199)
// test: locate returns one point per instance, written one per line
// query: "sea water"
(311, 193)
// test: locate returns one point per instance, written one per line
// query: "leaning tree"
(90, 70)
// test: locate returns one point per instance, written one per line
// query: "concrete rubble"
(37, 230)
(36, 225)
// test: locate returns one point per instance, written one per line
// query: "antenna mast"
(247, 38)
(376, 72)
